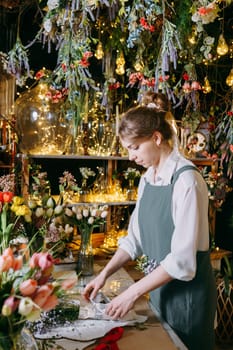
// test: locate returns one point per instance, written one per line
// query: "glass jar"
(43, 126)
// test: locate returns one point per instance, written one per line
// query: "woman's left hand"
(121, 305)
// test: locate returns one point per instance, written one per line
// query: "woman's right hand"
(92, 288)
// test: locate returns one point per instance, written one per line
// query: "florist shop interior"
(68, 70)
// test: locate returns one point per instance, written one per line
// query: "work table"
(151, 334)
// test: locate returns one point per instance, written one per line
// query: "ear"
(157, 138)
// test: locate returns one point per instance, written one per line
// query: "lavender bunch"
(18, 63)
(146, 265)
(170, 44)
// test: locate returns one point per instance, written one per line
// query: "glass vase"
(22, 340)
(131, 190)
(85, 263)
(44, 127)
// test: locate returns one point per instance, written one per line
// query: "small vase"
(85, 264)
(131, 191)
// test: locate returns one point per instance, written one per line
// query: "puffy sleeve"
(191, 232)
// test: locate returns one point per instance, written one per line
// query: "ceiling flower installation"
(123, 48)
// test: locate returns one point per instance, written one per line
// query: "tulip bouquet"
(26, 290)
(86, 218)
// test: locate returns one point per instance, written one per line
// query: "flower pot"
(224, 330)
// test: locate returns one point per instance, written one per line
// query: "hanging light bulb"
(229, 79)
(99, 54)
(222, 48)
(120, 62)
(206, 88)
(139, 66)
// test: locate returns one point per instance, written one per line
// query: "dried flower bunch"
(218, 187)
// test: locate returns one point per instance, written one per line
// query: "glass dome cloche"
(43, 125)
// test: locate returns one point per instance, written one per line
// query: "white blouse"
(190, 216)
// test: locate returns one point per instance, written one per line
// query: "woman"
(169, 224)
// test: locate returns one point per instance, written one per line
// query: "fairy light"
(206, 88)
(120, 62)
(229, 79)
(99, 54)
(222, 47)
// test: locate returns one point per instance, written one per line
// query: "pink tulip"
(45, 261)
(9, 306)
(42, 294)
(28, 287)
(18, 263)
(6, 263)
(41, 260)
(50, 303)
(8, 252)
(33, 263)
(186, 87)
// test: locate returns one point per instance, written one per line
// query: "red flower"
(40, 74)
(143, 21)
(151, 28)
(63, 66)
(185, 76)
(231, 148)
(230, 113)
(84, 63)
(6, 197)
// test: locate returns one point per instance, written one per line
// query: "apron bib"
(187, 306)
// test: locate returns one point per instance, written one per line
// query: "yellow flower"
(22, 210)
(17, 201)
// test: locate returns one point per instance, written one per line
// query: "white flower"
(48, 25)
(49, 212)
(25, 306)
(104, 214)
(34, 315)
(90, 220)
(85, 213)
(209, 40)
(39, 212)
(50, 203)
(52, 4)
(79, 216)
(94, 212)
(58, 209)
(86, 172)
(68, 212)
(68, 229)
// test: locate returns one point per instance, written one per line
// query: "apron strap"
(181, 170)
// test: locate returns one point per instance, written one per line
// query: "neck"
(165, 152)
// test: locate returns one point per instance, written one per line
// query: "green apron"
(187, 306)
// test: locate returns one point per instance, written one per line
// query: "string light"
(99, 54)
(229, 79)
(222, 48)
(206, 88)
(120, 62)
